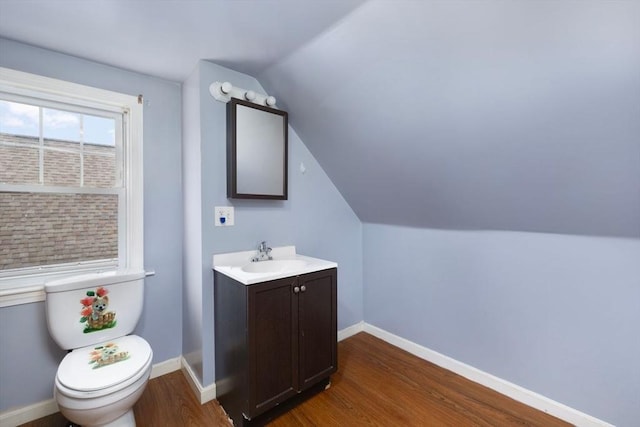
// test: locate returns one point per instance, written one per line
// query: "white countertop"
(230, 264)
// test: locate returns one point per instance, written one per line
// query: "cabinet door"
(273, 344)
(318, 326)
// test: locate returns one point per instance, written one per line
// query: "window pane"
(61, 125)
(61, 167)
(45, 228)
(99, 130)
(19, 119)
(99, 151)
(19, 156)
(18, 164)
(99, 166)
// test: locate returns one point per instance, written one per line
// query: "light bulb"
(226, 87)
(271, 100)
(249, 95)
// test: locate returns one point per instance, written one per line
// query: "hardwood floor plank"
(167, 401)
(376, 385)
(170, 402)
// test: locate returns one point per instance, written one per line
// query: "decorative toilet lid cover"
(104, 365)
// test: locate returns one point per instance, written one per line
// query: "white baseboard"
(204, 394)
(28, 413)
(511, 390)
(166, 367)
(349, 331)
(45, 408)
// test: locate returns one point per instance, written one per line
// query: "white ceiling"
(166, 38)
(465, 114)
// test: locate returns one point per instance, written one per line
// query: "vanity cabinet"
(276, 342)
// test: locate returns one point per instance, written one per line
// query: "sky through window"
(23, 119)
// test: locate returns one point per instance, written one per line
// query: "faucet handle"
(263, 252)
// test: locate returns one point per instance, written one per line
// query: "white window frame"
(29, 287)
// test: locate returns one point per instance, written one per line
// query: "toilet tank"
(92, 308)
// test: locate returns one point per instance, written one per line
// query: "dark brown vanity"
(275, 342)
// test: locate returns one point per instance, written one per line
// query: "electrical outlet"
(224, 216)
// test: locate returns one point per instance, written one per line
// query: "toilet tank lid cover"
(104, 365)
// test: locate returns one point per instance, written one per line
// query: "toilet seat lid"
(104, 365)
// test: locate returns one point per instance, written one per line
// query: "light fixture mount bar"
(224, 91)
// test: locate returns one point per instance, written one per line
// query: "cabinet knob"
(303, 288)
(296, 290)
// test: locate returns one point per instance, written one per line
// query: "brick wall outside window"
(47, 228)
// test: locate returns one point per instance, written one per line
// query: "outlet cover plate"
(224, 216)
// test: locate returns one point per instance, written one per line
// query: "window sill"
(20, 296)
(29, 288)
(31, 294)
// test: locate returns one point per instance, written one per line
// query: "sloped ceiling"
(519, 115)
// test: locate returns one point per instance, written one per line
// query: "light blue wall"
(556, 314)
(315, 219)
(28, 356)
(24, 342)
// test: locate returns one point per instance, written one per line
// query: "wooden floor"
(376, 385)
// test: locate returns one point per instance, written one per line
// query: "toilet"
(107, 369)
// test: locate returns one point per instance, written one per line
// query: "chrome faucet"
(264, 253)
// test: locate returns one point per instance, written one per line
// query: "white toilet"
(105, 373)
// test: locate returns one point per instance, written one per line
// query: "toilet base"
(126, 420)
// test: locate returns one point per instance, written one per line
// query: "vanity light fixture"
(226, 88)
(224, 91)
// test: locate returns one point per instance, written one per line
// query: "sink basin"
(274, 266)
(285, 263)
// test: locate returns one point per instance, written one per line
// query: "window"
(70, 180)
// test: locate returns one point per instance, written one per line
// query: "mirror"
(257, 140)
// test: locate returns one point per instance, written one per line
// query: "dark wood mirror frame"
(266, 152)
